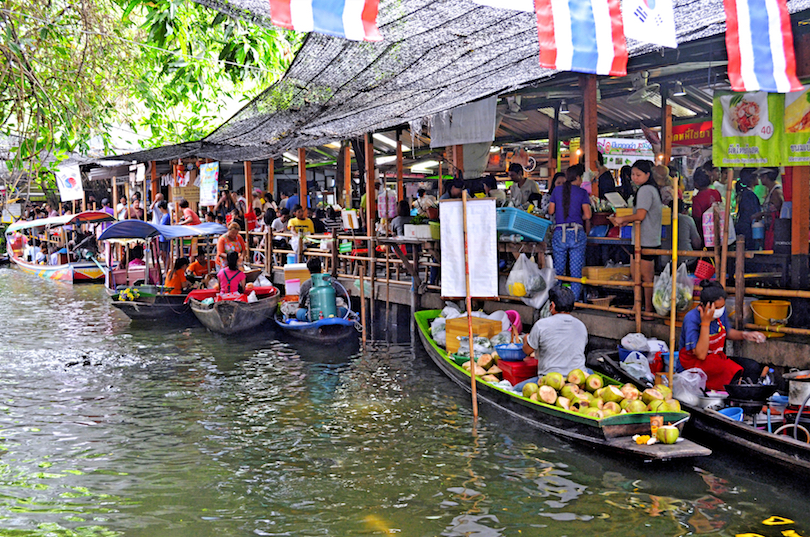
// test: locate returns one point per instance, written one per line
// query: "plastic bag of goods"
(525, 279)
(684, 287)
(539, 299)
(662, 291)
(637, 365)
(482, 346)
(688, 385)
(635, 342)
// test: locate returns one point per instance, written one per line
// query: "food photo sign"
(761, 129)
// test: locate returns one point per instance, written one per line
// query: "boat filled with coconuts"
(593, 409)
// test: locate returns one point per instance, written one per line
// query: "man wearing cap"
(772, 205)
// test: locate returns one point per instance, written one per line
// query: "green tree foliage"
(168, 68)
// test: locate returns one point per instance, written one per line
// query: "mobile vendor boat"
(77, 262)
(613, 434)
(790, 449)
(138, 291)
(232, 314)
(325, 325)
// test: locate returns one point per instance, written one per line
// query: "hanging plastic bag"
(662, 291)
(636, 342)
(525, 279)
(688, 386)
(541, 298)
(684, 286)
(637, 366)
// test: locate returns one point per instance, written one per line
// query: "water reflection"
(111, 428)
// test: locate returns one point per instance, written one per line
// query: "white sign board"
(11, 213)
(209, 184)
(482, 243)
(69, 182)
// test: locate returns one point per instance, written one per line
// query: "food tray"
(517, 221)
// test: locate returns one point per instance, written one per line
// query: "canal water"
(112, 428)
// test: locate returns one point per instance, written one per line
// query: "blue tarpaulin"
(138, 229)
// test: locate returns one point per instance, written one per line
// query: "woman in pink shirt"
(231, 279)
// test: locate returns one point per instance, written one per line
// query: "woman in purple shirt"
(571, 207)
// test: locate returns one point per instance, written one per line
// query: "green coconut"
(593, 383)
(555, 380)
(636, 406)
(563, 402)
(671, 405)
(665, 391)
(667, 434)
(577, 376)
(650, 394)
(547, 394)
(612, 394)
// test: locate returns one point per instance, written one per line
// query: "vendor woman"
(703, 339)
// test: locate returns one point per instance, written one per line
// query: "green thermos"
(322, 299)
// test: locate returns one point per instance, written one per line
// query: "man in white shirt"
(522, 187)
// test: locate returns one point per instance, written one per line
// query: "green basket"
(435, 231)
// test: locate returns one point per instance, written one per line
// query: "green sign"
(761, 129)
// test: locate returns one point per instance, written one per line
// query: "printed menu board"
(761, 129)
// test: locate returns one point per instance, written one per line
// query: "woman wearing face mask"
(703, 340)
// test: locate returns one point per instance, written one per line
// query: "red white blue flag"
(759, 43)
(582, 35)
(351, 19)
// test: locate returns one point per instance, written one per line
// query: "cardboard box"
(458, 327)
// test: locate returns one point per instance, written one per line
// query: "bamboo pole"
(739, 282)
(726, 216)
(468, 302)
(363, 303)
(779, 329)
(638, 291)
(674, 295)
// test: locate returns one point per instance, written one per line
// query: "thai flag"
(759, 43)
(582, 35)
(352, 19)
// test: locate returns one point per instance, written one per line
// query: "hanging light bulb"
(678, 91)
(563, 107)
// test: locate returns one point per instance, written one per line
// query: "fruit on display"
(665, 391)
(649, 394)
(612, 394)
(529, 389)
(655, 405)
(486, 361)
(555, 380)
(636, 406)
(630, 392)
(668, 434)
(563, 402)
(547, 394)
(593, 383)
(577, 376)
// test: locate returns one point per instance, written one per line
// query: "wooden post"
(363, 303)
(347, 176)
(468, 301)
(114, 203)
(371, 205)
(553, 143)
(271, 177)
(800, 226)
(440, 180)
(268, 252)
(458, 157)
(666, 126)
(335, 258)
(587, 84)
(154, 186)
(674, 295)
(302, 176)
(726, 218)
(248, 166)
(400, 171)
(739, 282)
(638, 291)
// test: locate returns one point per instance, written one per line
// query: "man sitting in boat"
(314, 266)
(231, 279)
(703, 340)
(42, 255)
(558, 342)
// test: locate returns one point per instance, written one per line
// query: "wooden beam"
(302, 176)
(587, 84)
(248, 166)
(153, 182)
(666, 130)
(271, 177)
(371, 199)
(347, 175)
(400, 169)
(458, 157)
(553, 142)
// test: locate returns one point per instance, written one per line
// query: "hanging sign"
(699, 133)
(797, 128)
(482, 248)
(618, 152)
(209, 184)
(69, 183)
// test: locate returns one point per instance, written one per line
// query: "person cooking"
(703, 340)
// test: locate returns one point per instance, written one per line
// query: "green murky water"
(109, 428)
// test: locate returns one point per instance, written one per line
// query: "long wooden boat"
(146, 299)
(81, 271)
(613, 434)
(232, 316)
(325, 331)
(713, 427)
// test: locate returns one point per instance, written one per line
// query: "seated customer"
(176, 278)
(314, 266)
(558, 342)
(703, 340)
(231, 279)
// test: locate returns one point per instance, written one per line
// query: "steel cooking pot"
(798, 387)
(750, 392)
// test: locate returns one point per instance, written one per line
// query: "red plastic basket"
(704, 270)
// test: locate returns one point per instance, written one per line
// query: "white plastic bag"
(525, 279)
(688, 385)
(482, 346)
(635, 342)
(684, 287)
(550, 279)
(262, 281)
(637, 366)
(662, 291)
(252, 297)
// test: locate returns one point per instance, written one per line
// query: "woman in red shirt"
(703, 200)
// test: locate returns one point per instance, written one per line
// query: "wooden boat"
(137, 291)
(87, 269)
(324, 331)
(233, 316)
(721, 431)
(613, 434)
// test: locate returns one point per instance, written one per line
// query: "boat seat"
(129, 277)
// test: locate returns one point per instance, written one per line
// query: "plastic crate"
(516, 372)
(511, 220)
(509, 353)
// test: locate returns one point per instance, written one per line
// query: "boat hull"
(232, 316)
(325, 331)
(715, 428)
(79, 272)
(610, 434)
(159, 308)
